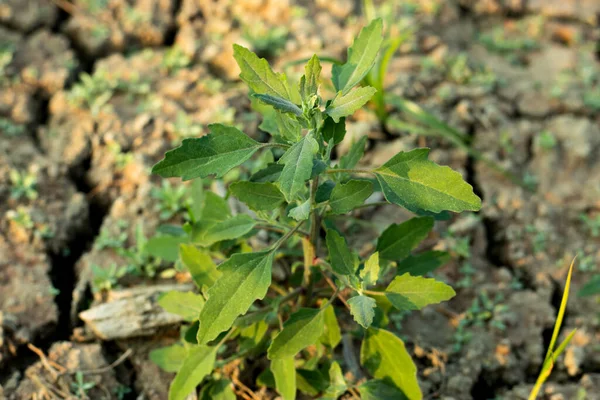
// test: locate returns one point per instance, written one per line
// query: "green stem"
(286, 236)
(280, 145)
(349, 171)
(374, 292)
(280, 229)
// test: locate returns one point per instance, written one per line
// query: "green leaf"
(246, 278)
(334, 130)
(407, 292)
(259, 76)
(370, 273)
(269, 174)
(289, 128)
(383, 354)
(356, 152)
(410, 180)
(591, 288)
(197, 194)
(169, 358)
(332, 335)
(252, 335)
(258, 196)
(302, 329)
(284, 372)
(337, 383)
(232, 228)
(324, 191)
(342, 260)
(345, 105)
(165, 247)
(218, 390)
(362, 309)
(309, 83)
(376, 389)
(279, 104)
(347, 196)
(301, 212)
(224, 148)
(561, 312)
(310, 382)
(215, 209)
(398, 240)
(423, 263)
(298, 163)
(361, 57)
(185, 304)
(199, 363)
(200, 265)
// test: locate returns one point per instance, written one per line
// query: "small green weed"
(23, 184)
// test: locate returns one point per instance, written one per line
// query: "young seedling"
(23, 185)
(296, 193)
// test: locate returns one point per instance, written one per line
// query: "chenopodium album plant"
(296, 197)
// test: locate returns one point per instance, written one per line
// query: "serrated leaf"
(169, 358)
(370, 273)
(302, 329)
(258, 196)
(334, 130)
(245, 278)
(298, 163)
(332, 335)
(259, 76)
(288, 127)
(342, 260)
(376, 389)
(410, 180)
(269, 174)
(361, 57)
(362, 309)
(422, 264)
(232, 228)
(200, 265)
(309, 83)
(398, 240)
(279, 103)
(346, 105)
(199, 363)
(284, 372)
(337, 383)
(407, 292)
(185, 304)
(347, 196)
(383, 354)
(224, 148)
(356, 152)
(301, 212)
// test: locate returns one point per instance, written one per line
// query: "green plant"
(593, 224)
(23, 184)
(171, 199)
(106, 278)
(80, 387)
(21, 217)
(9, 128)
(296, 199)
(175, 59)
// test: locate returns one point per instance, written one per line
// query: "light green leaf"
(232, 228)
(200, 265)
(376, 389)
(370, 273)
(279, 103)
(169, 358)
(185, 304)
(383, 354)
(259, 76)
(251, 336)
(224, 148)
(347, 196)
(298, 163)
(302, 329)
(246, 278)
(407, 292)
(334, 130)
(361, 57)
(356, 152)
(422, 264)
(409, 179)
(337, 383)
(199, 363)
(362, 309)
(165, 247)
(197, 194)
(309, 83)
(289, 128)
(342, 260)
(218, 390)
(332, 335)
(397, 241)
(301, 212)
(346, 105)
(258, 196)
(284, 372)
(215, 209)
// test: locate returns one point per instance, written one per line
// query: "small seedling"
(80, 387)
(21, 217)
(296, 202)
(23, 185)
(547, 140)
(105, 279)
(171, 199)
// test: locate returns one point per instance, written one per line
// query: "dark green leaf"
(376, 389)
(200, 265)
(269, 174)
(342, 260)
(301, 212)
(246, 278)
(347, 196)
(334, 130)
(199, 363)
(324, 191)
(224, 148)
(284, 372)
(185, 304)
(362, 309)
(258, 196)
(409, 179)
(232, 228)
(279, 104)
(415, 292)
(310, 382)
(591, 288)
(169, 358)
(397, 241)
(423, 263)
(298, 163)
(302, 329)
(346, 105)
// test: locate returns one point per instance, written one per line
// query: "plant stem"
(280, 145)
(374, 292)
(286, 236)
(349, 171)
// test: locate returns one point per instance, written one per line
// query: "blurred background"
(93, 92)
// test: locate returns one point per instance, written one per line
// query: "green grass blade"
(561, 312)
